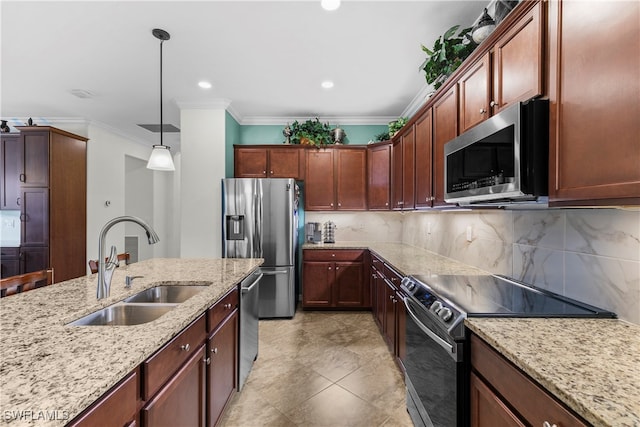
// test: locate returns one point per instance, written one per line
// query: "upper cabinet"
(475, 94)
(445, 128)
(594, 103)
(379, 176)
(335, 179)
(403, 169)
(268, 162)
(424, 137)
(10, 161)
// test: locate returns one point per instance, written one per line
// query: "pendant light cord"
(161, 118)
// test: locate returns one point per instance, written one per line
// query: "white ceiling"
(266, 58)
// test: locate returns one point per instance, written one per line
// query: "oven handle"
(442, 343)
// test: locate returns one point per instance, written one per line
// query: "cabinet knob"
(331, 205)
(214, 350)
(23, 177)
(329, 268)
(227, 306)
(185, 347)
(386, 203)
(493, 104)
(548, 424)
(483, 111)
(18, 201)
(271, 172)
(337, 268)
(207, 360)
(333, 255)
(339, 204)
(390, 297)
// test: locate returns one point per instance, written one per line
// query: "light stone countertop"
(592, 365)
(56, 371)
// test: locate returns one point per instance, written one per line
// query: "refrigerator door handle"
(258, 223)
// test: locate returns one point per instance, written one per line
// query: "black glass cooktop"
(492, 296)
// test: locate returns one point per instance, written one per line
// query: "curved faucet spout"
(104, 280)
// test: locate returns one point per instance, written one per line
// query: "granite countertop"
(51, 370)
(592, 365)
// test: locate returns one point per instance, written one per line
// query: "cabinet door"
(10, 160)
(594, 146)
(34, 216)
(518, 59)
(351, 184)
(475, 93)
(445, 128)
(9, 267)
(379, 177)
(424, 195)
(487, 410)
(348, 287)
(35, 157)
(222, 370)
(181, 402)
(408, 169)
(390, 316)
(401, 328)
(317, 278)
(34, 258)
(319, 193)
(250, 162)
(396, 175)
(286, 163)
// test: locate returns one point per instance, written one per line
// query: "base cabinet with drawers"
(334, 279)
(503, 395)
(189, 381)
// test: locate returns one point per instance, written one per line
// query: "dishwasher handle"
(274, 272)
(253, 284)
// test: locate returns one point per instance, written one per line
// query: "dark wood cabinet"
(378, 290)
(445, 128)
(424, 169)
(379, 176)
(222, 366)
(396, 175)
(518, 58)
(53, 200)
(10, 161)
(117, 407)
(334, 279)
(594, 108)
(34, 258)
(475, 94)
(181, 401)
(9, 262)
(403, 169)
(319, 191)
(269, 162)
(503, 395)
(335, 179)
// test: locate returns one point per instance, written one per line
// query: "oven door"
(434, 371)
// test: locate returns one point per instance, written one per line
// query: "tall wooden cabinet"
(594, 103)
(445, 128)
(53, 193)
(10, 176)
(379, 176)
(403, 169)
(424, 167)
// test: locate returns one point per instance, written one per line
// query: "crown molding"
(343, 120)
(418, 101)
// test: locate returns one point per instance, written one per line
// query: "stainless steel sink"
(172, 294)
(124, 315)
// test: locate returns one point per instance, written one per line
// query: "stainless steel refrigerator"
(260, 220)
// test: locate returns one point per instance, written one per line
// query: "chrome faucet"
(106, 268)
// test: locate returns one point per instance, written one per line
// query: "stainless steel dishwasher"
(249, 311)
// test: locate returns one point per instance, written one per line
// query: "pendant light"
(160, 158)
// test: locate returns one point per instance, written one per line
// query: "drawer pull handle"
(185, 347)
(227, 306)
(214, 350)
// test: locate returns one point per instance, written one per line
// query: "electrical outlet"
(469, 233)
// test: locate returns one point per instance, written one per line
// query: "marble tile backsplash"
(592, 255)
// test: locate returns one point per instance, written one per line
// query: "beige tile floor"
(321, 369)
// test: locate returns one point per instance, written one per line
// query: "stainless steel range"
(436, 363)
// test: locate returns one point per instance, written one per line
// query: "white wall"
(138, 202)
(202, 168)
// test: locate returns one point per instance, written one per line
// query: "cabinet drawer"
(118, 406)
(162, 365)
(333, 255)
(377, 263)
(10, 253)
(394, 277)
(221, 309)
(530, 400)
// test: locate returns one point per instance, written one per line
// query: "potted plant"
(311, 132)
(448, 52)
(396, 125)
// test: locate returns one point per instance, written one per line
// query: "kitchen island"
(50, 372)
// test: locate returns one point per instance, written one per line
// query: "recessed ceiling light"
(327, 84)
(204, 85)
(330, 4)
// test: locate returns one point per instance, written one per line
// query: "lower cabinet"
(503, 395)
(9, 262)
(222, 367)
(182, 400)
(334, 279)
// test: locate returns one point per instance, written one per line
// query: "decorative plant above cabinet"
(396, 125)
(312, 132)
(448, 52)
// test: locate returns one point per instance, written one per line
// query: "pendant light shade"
(160, 158)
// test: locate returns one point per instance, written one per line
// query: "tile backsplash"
(592, 255)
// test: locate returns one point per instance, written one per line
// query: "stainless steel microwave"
(503, 160)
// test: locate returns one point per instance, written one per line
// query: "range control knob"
(436, 307)
(445, 314)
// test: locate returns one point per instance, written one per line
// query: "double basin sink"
(143, 307)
